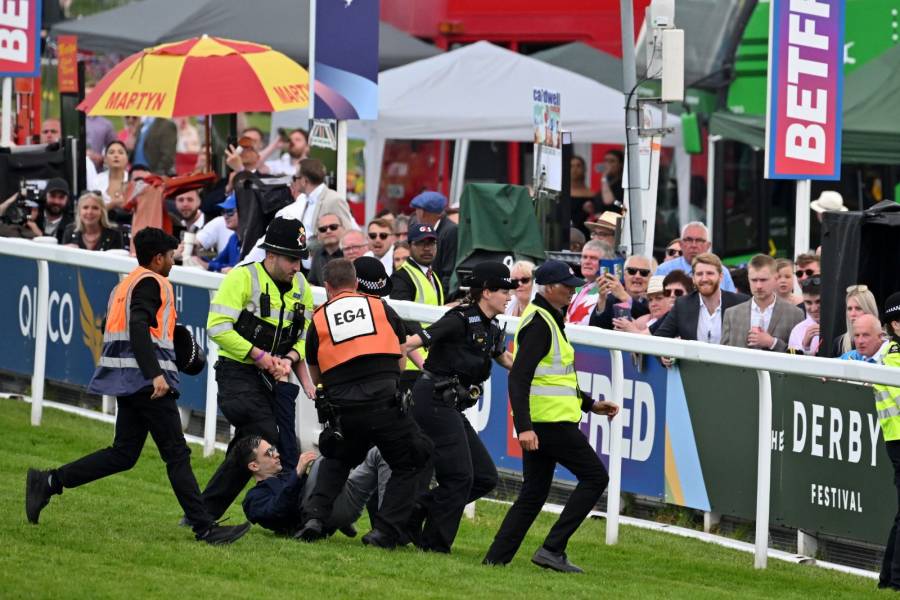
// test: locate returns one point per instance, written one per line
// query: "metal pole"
(614, 491)
(710, 182)
(629, 79)
(801, 219)
(42, 309)
(311, 54)
(212, 391)
(341, 186)
(6, 113)
(763, 469)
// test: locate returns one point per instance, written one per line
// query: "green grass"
(118, 538)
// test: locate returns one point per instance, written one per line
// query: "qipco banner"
(20, 38)
(806, 78)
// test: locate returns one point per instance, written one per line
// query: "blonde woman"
(91, 230)
(860, 301)
(522, 274)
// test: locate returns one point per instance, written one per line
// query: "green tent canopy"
(871, 125)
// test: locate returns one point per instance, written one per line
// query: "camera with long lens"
(30, 197)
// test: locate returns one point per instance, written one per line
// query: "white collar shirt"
(761, 317)
(709, 326)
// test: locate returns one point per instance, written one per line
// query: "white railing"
(615, 342)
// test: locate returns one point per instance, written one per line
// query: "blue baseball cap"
(418, 232)
(429, 201)
(230, 202)
(556, 271)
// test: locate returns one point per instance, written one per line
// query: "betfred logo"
(20, 32)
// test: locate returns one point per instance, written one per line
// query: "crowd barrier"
(700, 435)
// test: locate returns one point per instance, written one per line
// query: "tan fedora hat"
(607, 221)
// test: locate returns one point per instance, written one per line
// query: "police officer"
(416, 281)
(461, 345)
(887, 403)
(353, 349)
(547, 407)
(138, 366)
(257, 318)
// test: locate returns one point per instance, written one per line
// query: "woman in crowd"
(522, 274)
(785, 281)
(661, 295)
(860, 301)
(91, 230)
(112, 182)
(673, 250)
(401, 253)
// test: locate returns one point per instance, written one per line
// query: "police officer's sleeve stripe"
(219, 329)
(227, 311)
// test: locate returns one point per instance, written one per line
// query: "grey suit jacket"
(736, 324)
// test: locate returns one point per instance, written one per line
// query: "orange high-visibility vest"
(352, 325)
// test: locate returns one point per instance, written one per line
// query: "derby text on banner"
(806, 76)
(20, 38)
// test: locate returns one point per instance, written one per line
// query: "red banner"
(20, 38)
(67, 66)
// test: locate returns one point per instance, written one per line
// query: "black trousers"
(137, 416)
(890, 566)
(397, 437)
(247, 401)
(462, 467)
(561, 443)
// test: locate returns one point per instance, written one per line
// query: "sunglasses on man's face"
(332, 227)
(379, 236)
(634, 271)
(521, 280)
(674, 252)
(271, 451)
(668, 293)
(807, 272)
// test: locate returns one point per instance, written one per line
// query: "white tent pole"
(342, 159)
(6, 114)
(374, 153)
(711, 182)
(801, 219)
(458, 174)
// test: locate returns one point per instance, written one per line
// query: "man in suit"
(430, 208)
(319, 199)
(765, 321)
(698, 316)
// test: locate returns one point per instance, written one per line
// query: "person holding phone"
(628, 296)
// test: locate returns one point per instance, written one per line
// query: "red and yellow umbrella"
(200, 76)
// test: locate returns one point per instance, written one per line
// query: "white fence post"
(40, 342)
(614, 491)
(212, 406)
(764, 469)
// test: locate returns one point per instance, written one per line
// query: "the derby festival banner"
(806, 79)
(20, 38)
(346, 59)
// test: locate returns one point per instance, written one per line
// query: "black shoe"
(553, 560)
(379, 539)
(218, 535)
(312, 531)
(348, 530)
(37, 493)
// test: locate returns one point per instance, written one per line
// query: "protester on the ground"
(586, 297)
(112, 182)
(353, 244)
(91, 229)
(329, 231)
(583, 203)
(612, 194)
(698, 316)
(522, 273)
(806, 335)
(626, 298)
(887, 399)
(547, 407)
(673, 250)
(401, 227)
(868, 339)
(765, 321)
(461, 346)
(429, 207)
(603, 227)
(55, 217)
(289, 162)
(138, 366)
(576, 239)
(807, 265)
(401, 253)
(229, 256)
(859, 301)
(785, 281)
(694, 241)
(381, 242)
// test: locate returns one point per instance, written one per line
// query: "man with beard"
(187, 216)
(297, 150)
(55, 218)
(698, 315)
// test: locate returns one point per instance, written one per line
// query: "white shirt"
(387, 260)
(101, 184)
(198, 223)
(215, 234)
(709, 326)
(281, 165)
(759, 316)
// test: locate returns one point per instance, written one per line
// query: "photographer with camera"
(18, 218)
(460, 347)
(32, 212)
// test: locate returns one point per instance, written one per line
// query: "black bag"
(258, 200)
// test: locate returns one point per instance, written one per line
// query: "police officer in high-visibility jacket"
(138, 366)
(258, 318)
(354, 351)
(416, 281)
(547, 406)
(887, 403)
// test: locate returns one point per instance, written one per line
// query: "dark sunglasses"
(674, 252)
(520, 281)
(271, 451)
(813, 280)
(668, 293)
(634, 271)
(382, 235)
(332, 227)
(808, 272)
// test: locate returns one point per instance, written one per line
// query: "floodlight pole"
(629, 80)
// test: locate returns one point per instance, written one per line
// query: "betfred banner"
(346, 59)
(20, 38)
(67, 63)
(806, 79)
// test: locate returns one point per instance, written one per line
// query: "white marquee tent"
(484, 92)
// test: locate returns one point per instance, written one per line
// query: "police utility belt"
(262, 334)
(450, 392)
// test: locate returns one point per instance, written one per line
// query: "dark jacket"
(110, 239)
(445, 256)
(274, 503)
(682, 320)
